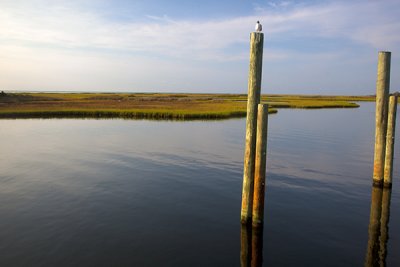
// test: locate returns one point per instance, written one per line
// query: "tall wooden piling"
(382, 94)
(260, 165)
(253, 99)
(391, 126)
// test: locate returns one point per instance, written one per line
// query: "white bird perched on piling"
(258, 27)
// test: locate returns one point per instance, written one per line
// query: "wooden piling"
(391, 126)
(253, 99)
(260, 165)
(382, 94)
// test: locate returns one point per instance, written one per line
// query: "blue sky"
(311, 47)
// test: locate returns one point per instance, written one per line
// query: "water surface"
(161, 193)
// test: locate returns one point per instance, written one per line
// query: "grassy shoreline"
(159, 106)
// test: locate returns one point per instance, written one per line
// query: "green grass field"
(155, 105)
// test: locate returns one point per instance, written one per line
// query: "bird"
(258, 27)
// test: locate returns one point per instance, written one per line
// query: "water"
(151, 193)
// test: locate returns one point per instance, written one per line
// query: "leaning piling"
(260, 166)
(391, 126)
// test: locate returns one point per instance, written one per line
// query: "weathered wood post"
(382, 94)
(253, 99)
(260, 164)
(391, 126)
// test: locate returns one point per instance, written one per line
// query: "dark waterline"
(147, 193)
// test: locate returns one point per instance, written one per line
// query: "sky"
(310, 47)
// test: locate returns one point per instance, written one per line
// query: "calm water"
(147, 193)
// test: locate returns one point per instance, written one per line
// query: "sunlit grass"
(314, 101)
(155, 105)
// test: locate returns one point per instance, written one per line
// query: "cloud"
(65, 27)
(72, 43)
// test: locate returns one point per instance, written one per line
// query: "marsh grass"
(155, 105)
(314, 101)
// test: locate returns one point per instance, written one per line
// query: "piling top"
(257, 38)
(395, 94)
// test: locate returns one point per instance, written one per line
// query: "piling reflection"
(385, 223)
(378, 227)
(245, 245)
(251, 251)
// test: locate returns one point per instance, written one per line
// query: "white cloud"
(75, 44)
(72, 28)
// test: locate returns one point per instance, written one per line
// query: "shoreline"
(157, 106)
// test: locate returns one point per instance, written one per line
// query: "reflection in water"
(245, 245)
(378, 227)
(257, 247)
(385, 224)
(251, 252)
(133, 191)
